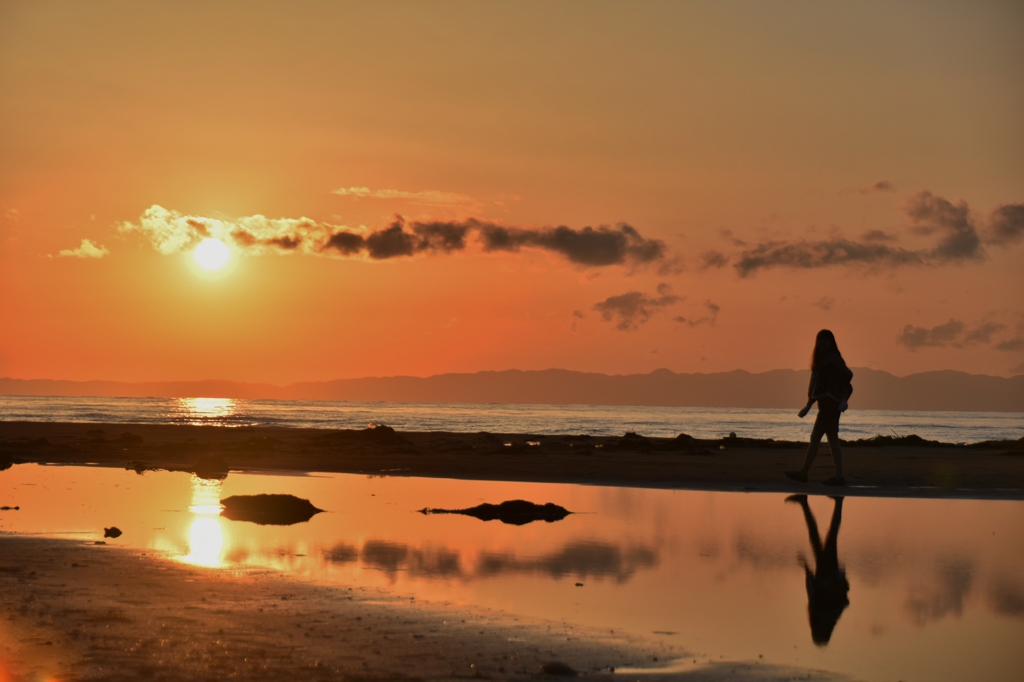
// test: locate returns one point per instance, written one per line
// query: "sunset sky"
(428, 187)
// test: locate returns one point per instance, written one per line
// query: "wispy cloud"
(86, 250)
(428, 197)
(631, 310)
(954, 334)
(880, 186)
(172, 232)
(709, 318)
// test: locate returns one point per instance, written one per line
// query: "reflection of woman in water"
(827, 586)
(830, 387)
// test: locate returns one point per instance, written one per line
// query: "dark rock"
(514, 512)
(268, 510)
(112, 532)
(558, 669)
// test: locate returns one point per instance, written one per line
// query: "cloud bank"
(954, 231)
(172, 232)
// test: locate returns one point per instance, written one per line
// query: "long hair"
(824, 344)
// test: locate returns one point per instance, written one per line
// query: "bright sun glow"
(211, 254)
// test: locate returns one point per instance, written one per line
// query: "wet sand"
(78, 611)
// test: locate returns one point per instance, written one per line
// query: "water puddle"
(877, 588)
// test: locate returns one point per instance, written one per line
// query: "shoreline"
(884, 466)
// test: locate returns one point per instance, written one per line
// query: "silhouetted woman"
(827, 586)
(830, 387)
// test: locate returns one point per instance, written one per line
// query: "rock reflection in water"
(512, 512)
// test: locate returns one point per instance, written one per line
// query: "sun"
(212, 254)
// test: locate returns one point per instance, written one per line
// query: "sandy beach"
(80, 611)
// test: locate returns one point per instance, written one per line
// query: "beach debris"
(513, 512)
(212, 467)
(558, 669)
(268, 510)
(112, 532)
(5, 508)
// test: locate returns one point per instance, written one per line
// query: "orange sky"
(783, 168)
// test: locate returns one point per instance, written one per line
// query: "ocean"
(597, 420)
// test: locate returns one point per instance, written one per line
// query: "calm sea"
(598, 420)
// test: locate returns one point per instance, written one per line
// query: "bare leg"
(837, 453)
(812, 450)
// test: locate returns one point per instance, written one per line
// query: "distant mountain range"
(873, 389)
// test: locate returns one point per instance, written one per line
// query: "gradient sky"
(749, 173)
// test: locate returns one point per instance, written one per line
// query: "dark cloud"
(713, 259)
(952, 334)
(345, 243)
(1014, 344)
(633, 308)
(1006, 225)
(710, 318)
(244, 238)
(958, 238)
(878, 236)
(983, 333)
(391, 242)
(587, 246)
(822, 254)
(951, 226)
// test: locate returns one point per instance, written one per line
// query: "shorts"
(828, 414)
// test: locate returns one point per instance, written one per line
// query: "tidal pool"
(881, 589)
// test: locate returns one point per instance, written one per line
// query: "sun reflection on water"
(207, 411)
(206, 532)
